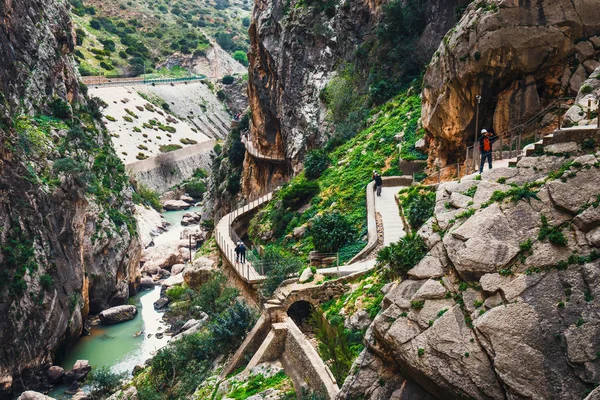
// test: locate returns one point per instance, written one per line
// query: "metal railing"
(104, 81)
(227, 237)
(510, 144)
(257, 154)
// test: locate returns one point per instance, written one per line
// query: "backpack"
(487, 145)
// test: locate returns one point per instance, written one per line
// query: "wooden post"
(589, 113)
(190, 238)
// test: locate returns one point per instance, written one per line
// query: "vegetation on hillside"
(340, 189)
(134, 37)
(178, 369)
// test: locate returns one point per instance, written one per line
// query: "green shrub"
(228, 80)
(315, 163)
(215, 296)
(240, 57)
(165, 148)
(195, 189)
(60, 108)
(331, 231)
(103, 381)
(417, 203)
(552, 233)
(586, 89)
(147, 196)
(277, 267)
(46, 281)
(297, 194)
(404, 254)
(176, 293)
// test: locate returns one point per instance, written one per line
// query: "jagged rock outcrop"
(295, 50)
(509, 310)
(518, 56)
(67, 237)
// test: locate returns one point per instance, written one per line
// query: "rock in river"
(117, 314)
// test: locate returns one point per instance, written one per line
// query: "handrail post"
(589, 110)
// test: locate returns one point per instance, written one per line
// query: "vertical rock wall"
(64, 252)
(518, 55)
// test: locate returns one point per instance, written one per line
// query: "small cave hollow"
(299, 312)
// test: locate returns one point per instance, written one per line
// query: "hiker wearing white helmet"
(485, 148)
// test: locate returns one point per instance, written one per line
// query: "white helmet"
(484, 131)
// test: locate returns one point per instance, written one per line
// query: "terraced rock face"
(505, 303)
(517, 56)
(68, 242)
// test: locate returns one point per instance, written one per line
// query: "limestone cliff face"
(504, 305)
(67, 236)
(296, 48)
(518, 55)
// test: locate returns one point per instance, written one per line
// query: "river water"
(123, 346)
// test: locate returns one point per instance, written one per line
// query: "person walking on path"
(242, 253)
(485, 148)
(378, 183)
(237, 252)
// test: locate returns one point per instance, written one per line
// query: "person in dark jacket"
(378, 183)
(242, 253)
(237, 252)
(486, 141)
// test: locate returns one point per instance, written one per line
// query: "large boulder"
(118, 314)
(176, 205)
(127, 394)
(31, 395)
(55, 374)
(198, 273)
(78, 373)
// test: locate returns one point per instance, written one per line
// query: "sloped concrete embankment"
(162, 172)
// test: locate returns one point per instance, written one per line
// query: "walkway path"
(386, 206)
(393, 230)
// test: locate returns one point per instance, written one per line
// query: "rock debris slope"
(505, 305)
(68, 242)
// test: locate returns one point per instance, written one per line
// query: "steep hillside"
(68, 239)
(519, 58)
(334, 182)
(116, 37)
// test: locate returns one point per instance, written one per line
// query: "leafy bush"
(103, 381)
(418, 203)
(315, 163)
(147, 196)
(46, 281)
(228, 80)
(552, 233)
(404, 254)
(241, 57)
(215, 296)
(60, 108)
(331, 231)
(277, 267)
(165, 148)
(297, 194)
(176, 293)
(196, 189)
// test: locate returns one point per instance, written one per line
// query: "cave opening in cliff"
(299, 312)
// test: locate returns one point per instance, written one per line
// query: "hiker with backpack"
(485, 148)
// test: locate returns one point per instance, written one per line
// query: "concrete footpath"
(393, 230)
